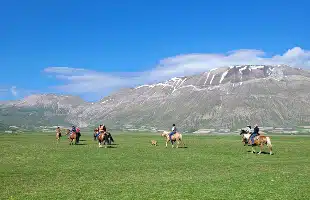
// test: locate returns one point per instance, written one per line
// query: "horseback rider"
(78, 134)
(173, 131)
(255, 133)
(101, 128)
(72, 129)
(58, 131)
(104, 128)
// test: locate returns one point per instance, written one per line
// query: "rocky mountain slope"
(39, 110)
(227, 97)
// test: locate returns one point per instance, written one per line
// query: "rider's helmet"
(173, 124)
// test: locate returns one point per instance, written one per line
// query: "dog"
(154, 142)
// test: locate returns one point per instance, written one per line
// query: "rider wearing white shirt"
(173, 131)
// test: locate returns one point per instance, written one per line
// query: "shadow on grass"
(107, 147)
(263, 152)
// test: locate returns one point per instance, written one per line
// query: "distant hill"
(228, 97)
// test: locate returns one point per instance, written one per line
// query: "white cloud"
(3, 90)
(87, 81)
(14, 91)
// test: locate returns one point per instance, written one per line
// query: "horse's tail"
(181, 139)
(180, 136)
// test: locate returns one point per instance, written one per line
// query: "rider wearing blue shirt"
(255, 133)
(73, 129)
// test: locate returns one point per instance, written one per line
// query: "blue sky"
(91, 48)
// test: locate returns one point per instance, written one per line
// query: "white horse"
(177, 137)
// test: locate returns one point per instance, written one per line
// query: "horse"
(177, 137)
(110, 138)
(103, 137)
(259, 140)
(71, 137)
(78, 135)
(246, 137)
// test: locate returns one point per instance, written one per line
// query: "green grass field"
(33, 166)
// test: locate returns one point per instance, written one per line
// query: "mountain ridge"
(227, 97)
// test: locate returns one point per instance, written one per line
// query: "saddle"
(173, 138)
(255, 139)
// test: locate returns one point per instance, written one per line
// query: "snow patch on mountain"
(223, 76)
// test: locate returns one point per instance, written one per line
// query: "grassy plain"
(33, 166)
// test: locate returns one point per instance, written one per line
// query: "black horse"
(78, 135)
(110, 138)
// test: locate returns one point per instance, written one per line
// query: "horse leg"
(111, 138)
(166, 143)
(77, 139)
(253, 150)
(99, 143)
(178, 142)
(105, 140)
(244, 142)
(270, 149)
(261, 148)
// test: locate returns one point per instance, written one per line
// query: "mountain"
(228, 97)
(39, 110)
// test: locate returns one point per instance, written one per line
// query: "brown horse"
(259, 140)
(102, 137)
(109, 136)
(177, 137)
(71, 137)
